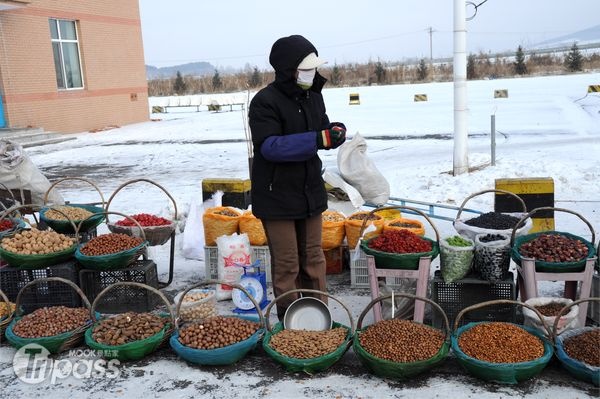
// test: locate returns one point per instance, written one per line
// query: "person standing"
(289, 124)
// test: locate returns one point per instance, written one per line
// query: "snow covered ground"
(547, 127)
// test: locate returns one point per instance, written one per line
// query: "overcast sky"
(236, 33)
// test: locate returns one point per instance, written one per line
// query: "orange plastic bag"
(219, 221)
(413, 225)
(333, 231)
(253, 227)
(354, 222)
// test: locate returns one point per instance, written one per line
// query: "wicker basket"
(470, 232)
(504, 373)
(18, 225)
(155, 235)
(67, 226)
(116, 260)
(54, 344)
(5, 321)
(397, 370)
(577, 368)
(410, 261)
(309, 366)
(37, 261)
(219, 356)
(132, 350)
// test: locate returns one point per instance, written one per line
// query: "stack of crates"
(211, 260)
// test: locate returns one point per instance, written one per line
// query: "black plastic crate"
(45, 293)
(454, 297)
(123, 298)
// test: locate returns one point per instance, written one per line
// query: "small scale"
(254, 281)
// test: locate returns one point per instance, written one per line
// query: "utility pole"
(430, 44)
(461, 160)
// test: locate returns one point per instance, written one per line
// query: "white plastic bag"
(234, 251)
(334, 178)
(567, 321)
(402, 308)
(470, 232)
(192, 246)
(17, 171)
(360, 172)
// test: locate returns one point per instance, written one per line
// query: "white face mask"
(306, 77)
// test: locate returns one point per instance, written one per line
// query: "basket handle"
(305, 290)
(408, 208)
(460, 209)
(548, 208)
(37, 208)
(12, 196)
(147, 181)
(74, 178)
(86, 302)
(211, 282)
(410, 296)
(564, 311)
(131, 284)
(11, 311)
(138, 225)
(499, 302)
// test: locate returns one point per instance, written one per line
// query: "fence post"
(493, 138)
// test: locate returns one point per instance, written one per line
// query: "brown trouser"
(297, 259)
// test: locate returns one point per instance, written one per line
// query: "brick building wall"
(110, 45)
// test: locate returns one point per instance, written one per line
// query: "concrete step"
(54, 140)
(16, 131)
(29, 137)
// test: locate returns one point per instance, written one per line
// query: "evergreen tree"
(471, 74)
(380, 72)
(336, 75)
(422, 70)
(179, 87)
(519, 64)
(254, 80)
(574, 59)
(217, 83)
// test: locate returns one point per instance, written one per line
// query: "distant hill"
(589, 35)
(194, 69)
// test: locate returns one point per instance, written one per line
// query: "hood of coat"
(286, 55)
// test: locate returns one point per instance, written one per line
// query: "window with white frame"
(65, 47)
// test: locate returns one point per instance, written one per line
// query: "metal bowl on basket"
(308, 313)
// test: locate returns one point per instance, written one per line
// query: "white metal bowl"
(308, 313)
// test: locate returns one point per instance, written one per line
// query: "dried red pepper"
(145, 220)
(400, 242)
(6, 225)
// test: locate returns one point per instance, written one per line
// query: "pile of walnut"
(47, 322)
(37, 242)
(217, 332)
(128, 327)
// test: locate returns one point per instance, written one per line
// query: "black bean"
(493, 220)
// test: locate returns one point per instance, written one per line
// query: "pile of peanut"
(585, 347)
(217, 332)
(36, 242)
(196, 306)
(302, 344)
(106, 244)
(500, 343)
(401, 341)
(6, 309)
(47, 322)
(128, 327)
(72, 212)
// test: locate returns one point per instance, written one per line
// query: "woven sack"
(217, 224)
(253, 227)
(353, 227)
(333, 230)
(416, 226)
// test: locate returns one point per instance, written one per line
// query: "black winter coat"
(288, 189)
